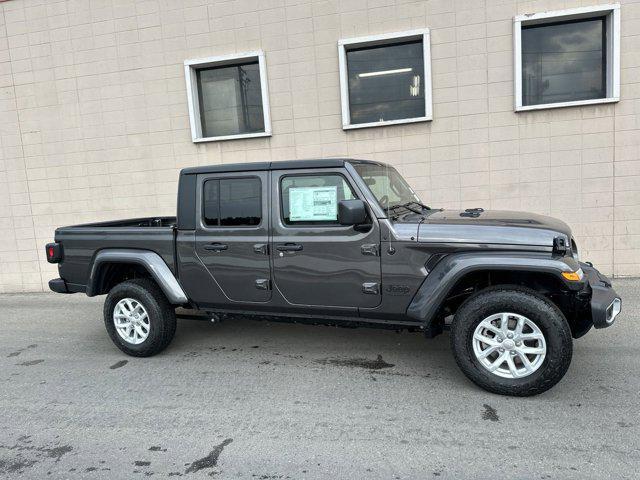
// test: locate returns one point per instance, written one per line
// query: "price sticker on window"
(309, 204)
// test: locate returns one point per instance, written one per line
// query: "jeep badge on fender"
(397, 289)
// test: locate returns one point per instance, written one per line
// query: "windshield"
(386, 184)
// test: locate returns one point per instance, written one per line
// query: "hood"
(491, 227)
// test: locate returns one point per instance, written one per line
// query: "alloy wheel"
(131, 321)
(509, 345)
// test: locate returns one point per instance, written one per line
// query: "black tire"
(162, 317)
(513, 299)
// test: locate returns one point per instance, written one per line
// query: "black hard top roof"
(282, 165)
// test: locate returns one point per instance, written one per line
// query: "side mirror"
(351, 212)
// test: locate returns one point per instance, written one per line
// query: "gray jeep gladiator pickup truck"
(344, 242)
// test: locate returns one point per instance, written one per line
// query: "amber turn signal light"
(573, 276)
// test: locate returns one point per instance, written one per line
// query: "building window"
(566, 58)
(228, 97)
(232, 202)
(385, 79)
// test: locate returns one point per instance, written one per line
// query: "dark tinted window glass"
(230, 100)
(232, 202)
(211, 203)
(563, 62)
(313, 199)
(386, 82)
(240, 201)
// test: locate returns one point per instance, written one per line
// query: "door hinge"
(370, 249)
(371, 288)
(261, 248)
(263, 284)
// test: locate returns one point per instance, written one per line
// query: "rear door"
(232, 234)
(316, 261)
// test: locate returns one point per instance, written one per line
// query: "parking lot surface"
(252, 399)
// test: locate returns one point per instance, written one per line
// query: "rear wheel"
(511, 341)
(139, 318)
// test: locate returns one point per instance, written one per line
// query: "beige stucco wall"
(94, 122)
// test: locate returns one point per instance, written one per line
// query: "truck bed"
(80, 243)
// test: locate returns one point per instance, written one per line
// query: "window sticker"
(313, 204)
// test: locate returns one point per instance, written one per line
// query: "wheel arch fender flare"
(447, 272)
(150, 261)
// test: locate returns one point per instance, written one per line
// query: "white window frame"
(190, 68)
(384, 39)
(612, 12)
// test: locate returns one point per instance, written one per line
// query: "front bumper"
(605, 303)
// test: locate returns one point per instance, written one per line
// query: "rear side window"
(232, 202)
(313, 199)
(212, 203)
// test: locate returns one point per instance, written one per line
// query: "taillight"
(54, 252)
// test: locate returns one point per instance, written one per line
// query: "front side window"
(385, 79)
(232, 202)
(313, 199)
(567, 58)
(227, 98)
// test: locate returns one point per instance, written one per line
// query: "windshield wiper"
(426, 207)
(406, 206)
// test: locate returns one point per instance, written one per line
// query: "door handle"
(289, 247)
(216, 247)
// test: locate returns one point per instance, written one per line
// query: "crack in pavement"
(19, 351)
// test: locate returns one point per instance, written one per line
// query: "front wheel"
(139, 318)
(511, 341)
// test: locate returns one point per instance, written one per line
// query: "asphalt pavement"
(253, 399)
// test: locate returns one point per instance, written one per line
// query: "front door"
(316, 261)
(232, 235)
